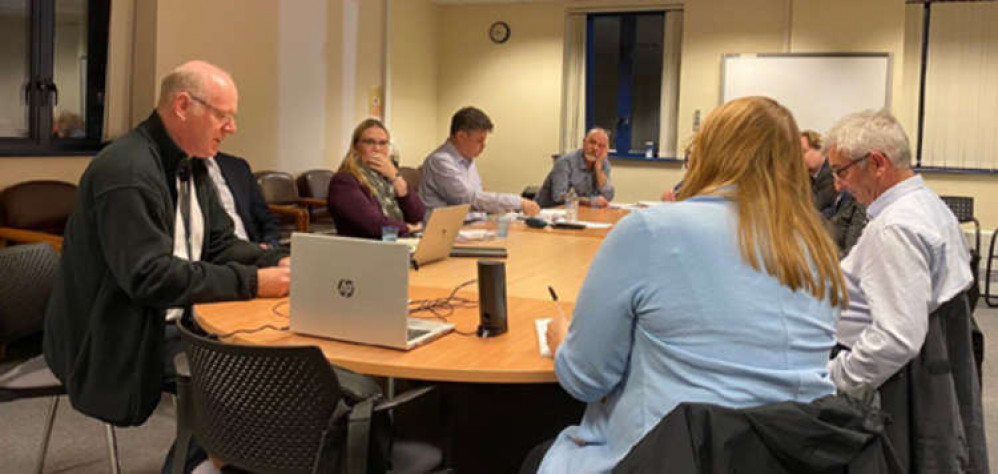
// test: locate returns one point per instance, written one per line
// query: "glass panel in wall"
(15, 33)
(70, 69)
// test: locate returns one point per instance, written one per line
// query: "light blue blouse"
(670, 312)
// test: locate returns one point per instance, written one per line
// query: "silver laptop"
(441, 230)
(355, 290)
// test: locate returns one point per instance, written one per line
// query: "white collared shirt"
(180, 236)
(910, 259)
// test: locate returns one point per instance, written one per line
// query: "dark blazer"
(823, 188)
(260, 224)
(846, 220)
(935, 400)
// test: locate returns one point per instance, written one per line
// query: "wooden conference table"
(537, 258)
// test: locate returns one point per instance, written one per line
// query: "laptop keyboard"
(416, 333)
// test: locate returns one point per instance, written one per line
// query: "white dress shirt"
(180, 235)
(910, 259)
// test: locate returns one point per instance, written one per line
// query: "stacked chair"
(35, 211)
(282, 197)
(313, 186)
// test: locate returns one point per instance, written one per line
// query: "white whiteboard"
(818, 89)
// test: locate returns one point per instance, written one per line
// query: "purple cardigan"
(358, 214)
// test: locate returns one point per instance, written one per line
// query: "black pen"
(554, 296)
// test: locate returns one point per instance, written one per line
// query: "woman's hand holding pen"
(558, 327)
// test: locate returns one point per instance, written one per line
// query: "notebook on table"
(355, 290)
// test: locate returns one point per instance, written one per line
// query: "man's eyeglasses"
(840, 173)
(373, 142)
(221, 115)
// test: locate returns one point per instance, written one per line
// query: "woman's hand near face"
(380, 163)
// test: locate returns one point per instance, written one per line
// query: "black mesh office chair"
(274, 409)
(25, 284)
(963, 209)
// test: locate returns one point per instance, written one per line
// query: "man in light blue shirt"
(449, 175)
(586, 170)
(910, 259)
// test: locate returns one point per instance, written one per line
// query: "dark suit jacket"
(261, 226)
(834, 433)
(823, 188)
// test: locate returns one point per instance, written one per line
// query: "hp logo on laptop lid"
(345, 288)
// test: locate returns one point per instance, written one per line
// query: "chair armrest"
(300, 214)
(181, 365)
(403, 398)
(356, 387)
(312, 202)
(30, 236)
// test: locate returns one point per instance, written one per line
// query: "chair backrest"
(28, 272)
(277, 187)
(412, 177)
(314, 183)
(42, 206)
(260, 408)
(962, 207)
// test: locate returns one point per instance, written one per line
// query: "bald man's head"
(194, 77)
(198, 102)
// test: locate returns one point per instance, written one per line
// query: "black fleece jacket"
(104, 324)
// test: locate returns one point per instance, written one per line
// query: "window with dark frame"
(53, 55)
(624, 79)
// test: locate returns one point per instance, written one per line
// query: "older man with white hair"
(911, 261)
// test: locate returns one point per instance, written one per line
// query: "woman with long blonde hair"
(728, 296)
(367, 193)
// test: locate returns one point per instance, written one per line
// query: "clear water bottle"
(571, 205)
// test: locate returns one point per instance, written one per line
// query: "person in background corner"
(586, 170)
(641, 341)
(449, 175)
(822, 186)
(367, 192)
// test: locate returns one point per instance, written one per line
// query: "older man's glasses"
(373, 142)
(221, 115)
(840, 173)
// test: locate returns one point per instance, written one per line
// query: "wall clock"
(499, 32)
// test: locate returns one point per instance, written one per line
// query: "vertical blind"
(961, 88)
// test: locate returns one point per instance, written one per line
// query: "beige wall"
(518, 84)
(856, 26)
(412, 82)
(245, 44)
(441, 59)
